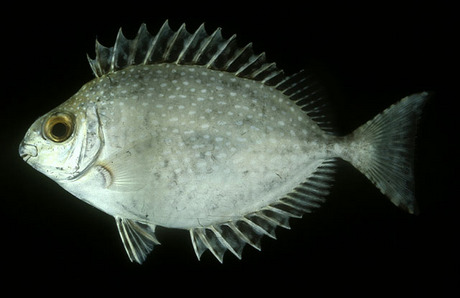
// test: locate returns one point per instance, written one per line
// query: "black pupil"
(59, 130)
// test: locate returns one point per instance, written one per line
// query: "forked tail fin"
(383, 150)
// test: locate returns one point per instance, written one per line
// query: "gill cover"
(88, 142)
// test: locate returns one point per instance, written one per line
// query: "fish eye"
(59, 127)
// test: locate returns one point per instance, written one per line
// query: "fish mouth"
(26, 151)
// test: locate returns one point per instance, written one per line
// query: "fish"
(190, 130)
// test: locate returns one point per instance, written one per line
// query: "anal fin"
(138, 238)
(250, 228)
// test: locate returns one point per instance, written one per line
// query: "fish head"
(65, 142)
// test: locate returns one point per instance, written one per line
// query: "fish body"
(191, 131)
(204, 141)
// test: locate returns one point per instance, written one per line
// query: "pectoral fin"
(127, 169)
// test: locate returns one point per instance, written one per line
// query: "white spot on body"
(221, 155)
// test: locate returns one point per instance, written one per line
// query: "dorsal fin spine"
(172, 43)
(253, 60)
(140, 46)
(102, 54)
(221, 49)
(133, 49)
(187, 44)
(190, 46)
(151, 47)
(226, 53)
(202, 47)
(115, 57)
(151, 54)
(264, 68)
(211, 45)
(238, 53)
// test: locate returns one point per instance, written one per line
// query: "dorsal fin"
(182, 47)
(211, 51)
(250, 228)
(307, 93)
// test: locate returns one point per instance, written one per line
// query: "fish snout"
(27, 151)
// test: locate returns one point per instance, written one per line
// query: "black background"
(367, 55)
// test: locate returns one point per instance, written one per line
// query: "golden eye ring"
(59, 127)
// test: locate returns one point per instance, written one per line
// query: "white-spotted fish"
(191, 131)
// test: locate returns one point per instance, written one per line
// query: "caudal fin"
(383, 150)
